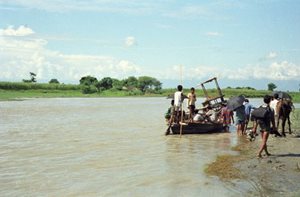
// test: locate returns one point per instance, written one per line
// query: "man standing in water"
(240, 119)
(248, 108)
(265, 126)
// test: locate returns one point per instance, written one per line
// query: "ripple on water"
(103, 147)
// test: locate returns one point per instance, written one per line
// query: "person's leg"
(177, 116)
(243, 131)
(246, 125)
(263, 145)
(266, 146)
(227, 128)
(239, 130)
(255, 124)
(192, 112)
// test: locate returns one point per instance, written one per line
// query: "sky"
(242, 43)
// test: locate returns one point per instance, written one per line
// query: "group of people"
(176, 114)
(224, 115)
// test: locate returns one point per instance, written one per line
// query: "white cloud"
(271, 55)
(20, 31)
(23, 54)
(275, 71)
(127, 66)
(213, 34)
(19, 56)
(130, 41)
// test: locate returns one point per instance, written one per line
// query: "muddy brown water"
(104, 147)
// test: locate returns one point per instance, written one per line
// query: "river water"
(104, 147)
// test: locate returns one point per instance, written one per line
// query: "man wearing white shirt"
(273, 106)
(178, 99)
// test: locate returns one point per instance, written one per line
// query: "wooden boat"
(202, 127)
(197, 128)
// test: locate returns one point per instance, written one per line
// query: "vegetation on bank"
(61, 90)
(90, 86)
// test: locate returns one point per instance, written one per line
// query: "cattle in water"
(284, 108)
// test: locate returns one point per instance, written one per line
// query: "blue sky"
(243, 43)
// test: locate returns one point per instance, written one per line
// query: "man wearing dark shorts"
(265, 126)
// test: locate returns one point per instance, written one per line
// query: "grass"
(37, 86)
(6, 95)
(224, 167)
(17, 90)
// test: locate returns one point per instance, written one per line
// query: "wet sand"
(275, 175)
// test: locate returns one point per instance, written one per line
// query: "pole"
(181, 121)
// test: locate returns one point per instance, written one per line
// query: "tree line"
(142, 85)
(89, 84)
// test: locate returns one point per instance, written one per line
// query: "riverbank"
(11, 94)
(7, 95)
(276, 175)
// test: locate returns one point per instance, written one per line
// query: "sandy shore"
(275, 175)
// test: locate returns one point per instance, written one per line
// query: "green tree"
(54, 81)
(32, 78)
(117, 84)
(105, 83)
(148, 83)
(157, 84)
(88, 84)
(89, 89)
(131, 82)
(271, 86)
(88, 80)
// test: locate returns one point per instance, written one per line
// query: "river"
(104, 147)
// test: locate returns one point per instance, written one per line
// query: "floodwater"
(104, 147)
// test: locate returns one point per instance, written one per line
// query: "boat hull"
(198, 128)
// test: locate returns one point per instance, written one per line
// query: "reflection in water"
(103, 147)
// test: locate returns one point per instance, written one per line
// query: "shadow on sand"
(288, 155)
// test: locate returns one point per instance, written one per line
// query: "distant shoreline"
(17, 90)
(7, 95)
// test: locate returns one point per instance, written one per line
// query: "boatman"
(178, 100)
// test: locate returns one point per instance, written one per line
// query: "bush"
(135, 93)
(89, 89)
(35, 86)
(54, 81)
